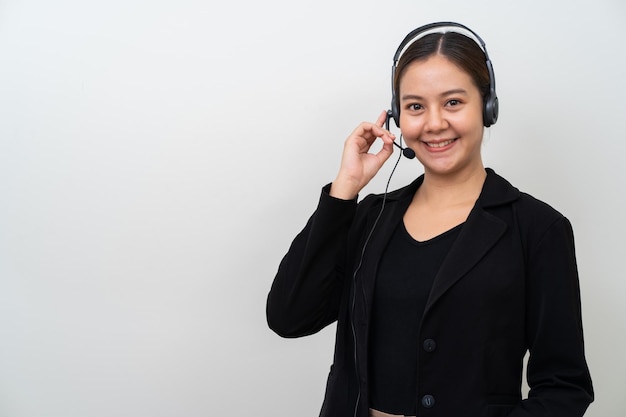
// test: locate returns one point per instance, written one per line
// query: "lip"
(439, 145)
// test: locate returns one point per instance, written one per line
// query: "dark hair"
(458, 48)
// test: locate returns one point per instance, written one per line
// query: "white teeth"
(440, 144)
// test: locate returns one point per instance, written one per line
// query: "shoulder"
(528, 205)
(533, 218)
(497, 191)
(398, 195)
(540, 222)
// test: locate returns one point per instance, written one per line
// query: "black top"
(405, 276)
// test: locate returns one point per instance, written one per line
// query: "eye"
(415, 107)
(453, 102)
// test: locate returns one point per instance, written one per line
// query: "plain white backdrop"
(157, 158)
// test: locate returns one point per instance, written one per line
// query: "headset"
(490, 101)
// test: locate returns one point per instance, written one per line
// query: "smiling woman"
(446, 279)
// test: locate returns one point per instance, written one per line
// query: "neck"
(450, 190)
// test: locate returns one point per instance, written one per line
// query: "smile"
(439, 144)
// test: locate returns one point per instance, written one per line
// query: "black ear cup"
(395, 110)
(490, 112)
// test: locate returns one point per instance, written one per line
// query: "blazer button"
(430, 345)
(428, 401)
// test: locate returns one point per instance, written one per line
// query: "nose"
(436, 121)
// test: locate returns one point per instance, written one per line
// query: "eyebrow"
(444, 94)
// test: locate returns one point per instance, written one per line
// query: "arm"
(558, 376)
(306, 291)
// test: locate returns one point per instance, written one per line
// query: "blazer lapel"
(479, 233)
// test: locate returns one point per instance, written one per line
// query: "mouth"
(440, 144)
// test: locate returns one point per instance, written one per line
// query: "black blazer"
(508, 285)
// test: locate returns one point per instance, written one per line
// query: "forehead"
(435, 73)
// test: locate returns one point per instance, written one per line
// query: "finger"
(376, 129)
(382, 121)
(367, 133)
(385, 152)
(382, 118)
(385, 135)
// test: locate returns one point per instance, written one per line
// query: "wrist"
(343, 190)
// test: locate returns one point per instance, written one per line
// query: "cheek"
(476, 127)
(411, 127)
(468, 123)
(475, 119)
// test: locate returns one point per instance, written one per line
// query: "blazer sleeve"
(557, 373)
(306, 291)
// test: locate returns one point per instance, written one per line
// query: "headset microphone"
(407, 152)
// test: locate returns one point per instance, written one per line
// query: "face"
(441, 116)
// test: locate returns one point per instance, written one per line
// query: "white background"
(157, 157)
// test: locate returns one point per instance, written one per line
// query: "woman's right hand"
(358, 166)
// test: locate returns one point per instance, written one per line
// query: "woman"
(440, 288)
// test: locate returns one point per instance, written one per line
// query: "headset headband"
(423, 30)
